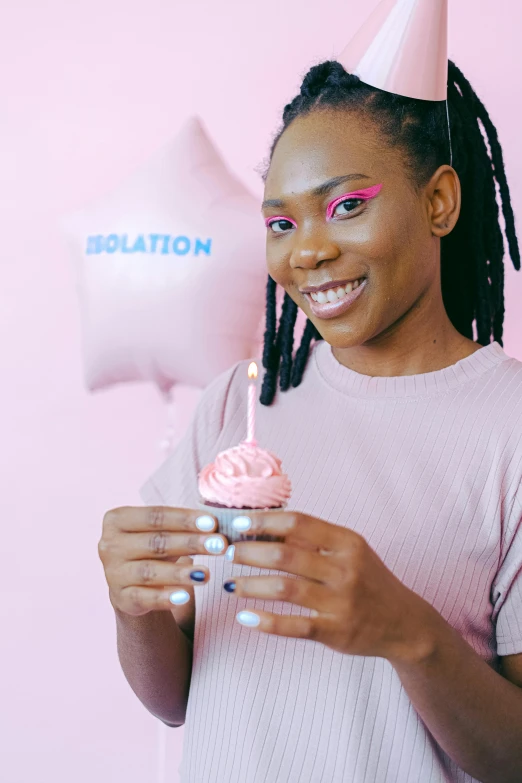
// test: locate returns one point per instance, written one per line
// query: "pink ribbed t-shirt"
(428, 468)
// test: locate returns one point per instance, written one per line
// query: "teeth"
(334, 294)
(331, 295)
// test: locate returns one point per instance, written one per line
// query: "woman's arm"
(474, 713)
(156, 658)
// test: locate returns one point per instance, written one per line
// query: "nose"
(312, 250)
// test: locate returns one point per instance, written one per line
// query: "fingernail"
(214, 545)
(197, 576)
(241, 523)
(229, 586)
(248, 618)
(205, 523)
(229, 554)
(179, 597)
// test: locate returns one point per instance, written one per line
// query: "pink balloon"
(170, 270)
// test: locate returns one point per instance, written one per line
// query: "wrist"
(420, 636)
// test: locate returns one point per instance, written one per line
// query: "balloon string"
(167, 442)
(166, 447)
(162, 751)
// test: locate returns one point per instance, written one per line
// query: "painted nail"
(179, 597)
(241, 523)
(230, 586)
(214, 545)
(197, 576)
(248, 618)
(205, 523)
(229, 554)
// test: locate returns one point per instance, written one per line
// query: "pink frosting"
(245, 476)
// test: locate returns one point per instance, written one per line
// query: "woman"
(396, 655)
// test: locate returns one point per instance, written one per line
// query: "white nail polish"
(248, 618)
(214, 545)
(205, 523)
(241, 524)
(179, 597)
(229, 554)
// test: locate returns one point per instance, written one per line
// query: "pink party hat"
(403, 48)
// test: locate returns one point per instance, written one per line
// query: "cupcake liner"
(225, 516)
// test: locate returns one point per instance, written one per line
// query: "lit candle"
(251, 413)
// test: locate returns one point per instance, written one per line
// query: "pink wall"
(88, 91)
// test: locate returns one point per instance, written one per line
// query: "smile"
(336, 300)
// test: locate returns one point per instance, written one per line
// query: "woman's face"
(318, 243)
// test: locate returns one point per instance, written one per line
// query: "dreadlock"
(472, 268)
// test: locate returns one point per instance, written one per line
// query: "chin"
(338, 337)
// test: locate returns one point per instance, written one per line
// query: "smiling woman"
(424, 235)
(378, 639)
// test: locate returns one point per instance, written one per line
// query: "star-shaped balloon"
(170, 270)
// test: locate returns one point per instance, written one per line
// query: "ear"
(444, 195)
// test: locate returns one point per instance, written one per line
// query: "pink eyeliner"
(365, 195)
(273, 219)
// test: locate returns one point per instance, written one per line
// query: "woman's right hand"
(145, 554)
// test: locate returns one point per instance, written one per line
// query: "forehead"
(325, 144)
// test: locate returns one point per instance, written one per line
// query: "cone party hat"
(403, 48)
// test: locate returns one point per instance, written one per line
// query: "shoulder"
(508, 376)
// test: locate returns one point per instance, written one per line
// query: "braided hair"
(472, 268)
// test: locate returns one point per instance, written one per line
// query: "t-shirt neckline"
(428, 384)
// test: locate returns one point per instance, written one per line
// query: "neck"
(422, 340)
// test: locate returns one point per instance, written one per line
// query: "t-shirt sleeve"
(507, 587)
(175, 482)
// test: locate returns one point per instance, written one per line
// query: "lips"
(332, 300)
(314, 289)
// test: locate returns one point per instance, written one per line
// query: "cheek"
(277, 261)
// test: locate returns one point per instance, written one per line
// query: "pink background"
(88, 91)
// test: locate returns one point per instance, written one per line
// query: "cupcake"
(242, 479)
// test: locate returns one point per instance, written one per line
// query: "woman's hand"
(145, 554)
(358, 605)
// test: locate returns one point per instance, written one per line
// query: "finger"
(135, 600)
(130, 519)
(298, 529)
(293, 626)
(291, 559)
(164, 545)
(156, 573)
(301, 592)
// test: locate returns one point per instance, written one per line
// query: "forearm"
(156, 658)
(474, 713)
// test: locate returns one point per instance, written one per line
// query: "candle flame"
(252, 370)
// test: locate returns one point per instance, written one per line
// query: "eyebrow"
(320, 190)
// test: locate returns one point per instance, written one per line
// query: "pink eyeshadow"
(273, 219)
(365, 195)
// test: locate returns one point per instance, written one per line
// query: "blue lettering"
(124, 247)
(153, 241)
(111, 243)
(94, 244)
(139, 245)
(204, 246)
(181, 246)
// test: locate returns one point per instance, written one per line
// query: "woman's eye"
(280, 226)
(347, 206)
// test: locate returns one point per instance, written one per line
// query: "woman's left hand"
(358, 605)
